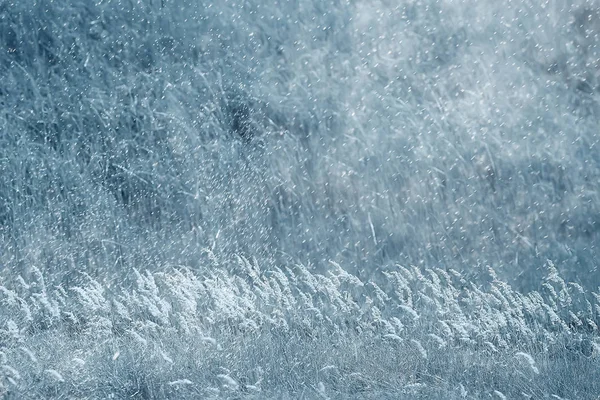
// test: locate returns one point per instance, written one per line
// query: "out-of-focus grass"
(450, 134)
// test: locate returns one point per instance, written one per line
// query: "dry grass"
(149, 149)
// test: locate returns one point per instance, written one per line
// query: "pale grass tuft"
(55, 375)
(321, 390)
(209, 340)
(11, 371)
(499, 395)
(420, 348)
(78, 361)
(166, 357)
(410, 311)
(228, 382)
(253, 388)
(491, 346)
(138, 338)
(393, 337)
(441, 343)
(529, 360)
(180, 382)
(29, 354)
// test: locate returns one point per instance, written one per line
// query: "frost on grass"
(242, 196)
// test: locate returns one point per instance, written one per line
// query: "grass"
(240, 330)
(305, 199)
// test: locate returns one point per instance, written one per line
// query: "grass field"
(299, 199)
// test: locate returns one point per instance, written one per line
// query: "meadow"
(299, 199)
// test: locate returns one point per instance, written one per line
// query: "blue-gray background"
(454, 134)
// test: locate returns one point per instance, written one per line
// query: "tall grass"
(239, 329)
(149, 149)
(455, 134)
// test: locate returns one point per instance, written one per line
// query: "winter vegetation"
(299, 199)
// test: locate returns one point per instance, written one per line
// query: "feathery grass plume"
(29, 354)
(420, 349)
(138, 338)
(10, 297)
(180, 382)
(499, 395)
(12, 372)
(409, 311)
(228, 382)
(529, 360)
(78, 362)
(12, 331)
(54, 374)
(321, 390)
(393, 337)
(230, 298)
(441, 343)
(166, 357)
(328, 368)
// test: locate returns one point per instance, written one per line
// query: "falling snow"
(299, 199)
